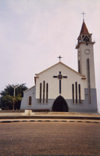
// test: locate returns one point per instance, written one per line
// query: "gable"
(59, 66)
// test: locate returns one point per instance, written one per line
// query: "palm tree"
(11, 96)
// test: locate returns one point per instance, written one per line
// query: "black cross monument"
(60, 76)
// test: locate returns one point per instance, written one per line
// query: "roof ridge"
(62, 64)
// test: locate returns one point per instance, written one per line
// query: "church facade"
(61, 88)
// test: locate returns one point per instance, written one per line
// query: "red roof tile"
(84, 29)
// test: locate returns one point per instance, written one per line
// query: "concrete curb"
(52, 117)
(77, 121)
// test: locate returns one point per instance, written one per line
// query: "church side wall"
(84, 106)
(35, 102)
(25, 99)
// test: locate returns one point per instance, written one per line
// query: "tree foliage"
(8, 100)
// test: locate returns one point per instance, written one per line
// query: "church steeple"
(84, 29)
(84, 37)
(86, 55)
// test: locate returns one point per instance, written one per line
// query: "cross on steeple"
(83, 13)
(60, 58)
(60, 76)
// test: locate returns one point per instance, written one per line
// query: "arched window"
(46, 92)
(76, 91)
(30, 100)
(43, 91)
(79, 88)
(73, 92)
(40, 92)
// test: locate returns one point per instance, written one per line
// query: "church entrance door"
(60, 105)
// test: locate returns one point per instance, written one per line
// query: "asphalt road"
(50, 139)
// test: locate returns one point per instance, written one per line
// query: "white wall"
(82, 56)
(54, 82)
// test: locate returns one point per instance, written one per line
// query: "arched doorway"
(60, 105)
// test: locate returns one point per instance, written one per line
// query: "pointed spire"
(84, 29)
(84, 37)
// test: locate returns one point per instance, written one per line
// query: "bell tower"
(86, 56)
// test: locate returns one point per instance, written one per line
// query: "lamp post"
(14, 95)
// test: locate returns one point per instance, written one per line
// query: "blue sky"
(33, 33)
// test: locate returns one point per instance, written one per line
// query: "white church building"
(61, 88)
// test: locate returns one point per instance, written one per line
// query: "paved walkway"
(65, 114)
(50, 115)
(50, 139)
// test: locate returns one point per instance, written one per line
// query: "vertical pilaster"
(88, 77)
(79, 70)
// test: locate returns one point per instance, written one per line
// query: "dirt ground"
(50, 139)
